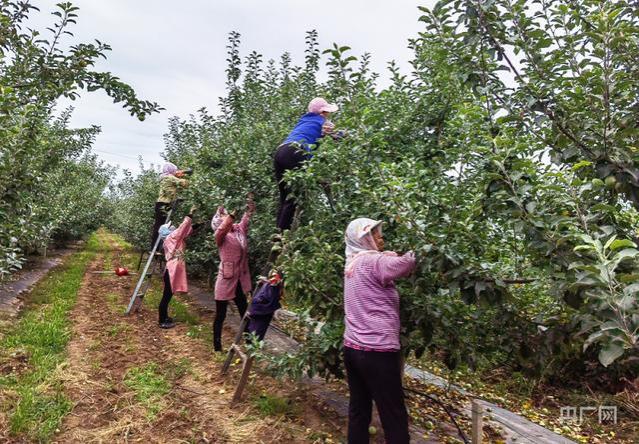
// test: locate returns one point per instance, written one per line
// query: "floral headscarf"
(359, 241)
(169, 169)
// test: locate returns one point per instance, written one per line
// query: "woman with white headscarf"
(234, 277)
(371, 336)
(170, 181)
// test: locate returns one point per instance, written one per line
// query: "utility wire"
(115, 154)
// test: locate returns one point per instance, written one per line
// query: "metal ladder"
(139, 292)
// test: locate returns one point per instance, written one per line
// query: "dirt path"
(129, 381)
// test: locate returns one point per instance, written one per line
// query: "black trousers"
(161, 210)
(375, 376)
(220, 314)
(166, 298)
(287, 157)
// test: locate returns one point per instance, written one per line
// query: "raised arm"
(391, 267)
(250, 210)
(223, 230)
(184, 230)
(244, 223)
(178, 182)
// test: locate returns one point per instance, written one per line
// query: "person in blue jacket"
(296, 149)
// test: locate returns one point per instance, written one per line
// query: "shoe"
(167, 324)
(169, 320)
(217, 346)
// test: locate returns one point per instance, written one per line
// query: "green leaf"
(631, 289)
(581, 164)
(625, 254)
(610, 353)
(610, 241)
(592, 338)
(621, 243)
(627, 302)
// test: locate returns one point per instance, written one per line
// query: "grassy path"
(33, 353)
(75, 369)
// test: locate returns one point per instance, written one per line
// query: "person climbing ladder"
(170, 181)
(296, 149)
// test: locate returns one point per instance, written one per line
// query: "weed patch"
(118, 329)
(150, 387)
(273, 405)
(113, 302)
(177, 369)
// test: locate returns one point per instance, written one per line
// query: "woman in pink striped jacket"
(371, 336)
(234, 277)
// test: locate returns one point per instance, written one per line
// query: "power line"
(116, 154)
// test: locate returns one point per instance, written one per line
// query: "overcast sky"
(174, 53)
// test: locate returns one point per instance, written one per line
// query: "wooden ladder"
(247, 361)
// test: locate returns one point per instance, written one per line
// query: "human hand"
(328, 127)
(179, 173)
(193, 209)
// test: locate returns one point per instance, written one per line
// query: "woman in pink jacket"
(234, 277)
(175, 272)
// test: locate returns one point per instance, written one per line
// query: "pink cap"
(320, 105)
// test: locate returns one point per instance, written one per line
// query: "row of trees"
(51, 187)
(507, 159)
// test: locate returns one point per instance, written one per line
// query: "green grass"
(273, 405)
(34, 397)
(151, 383)
(150, 386)
(113, 302)
(177, 369)
(117, 329)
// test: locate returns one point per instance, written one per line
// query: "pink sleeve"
(183, 231)
(244, 223)
(390, 267)
(222, 230)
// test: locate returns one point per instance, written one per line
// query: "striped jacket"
(371, 301)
